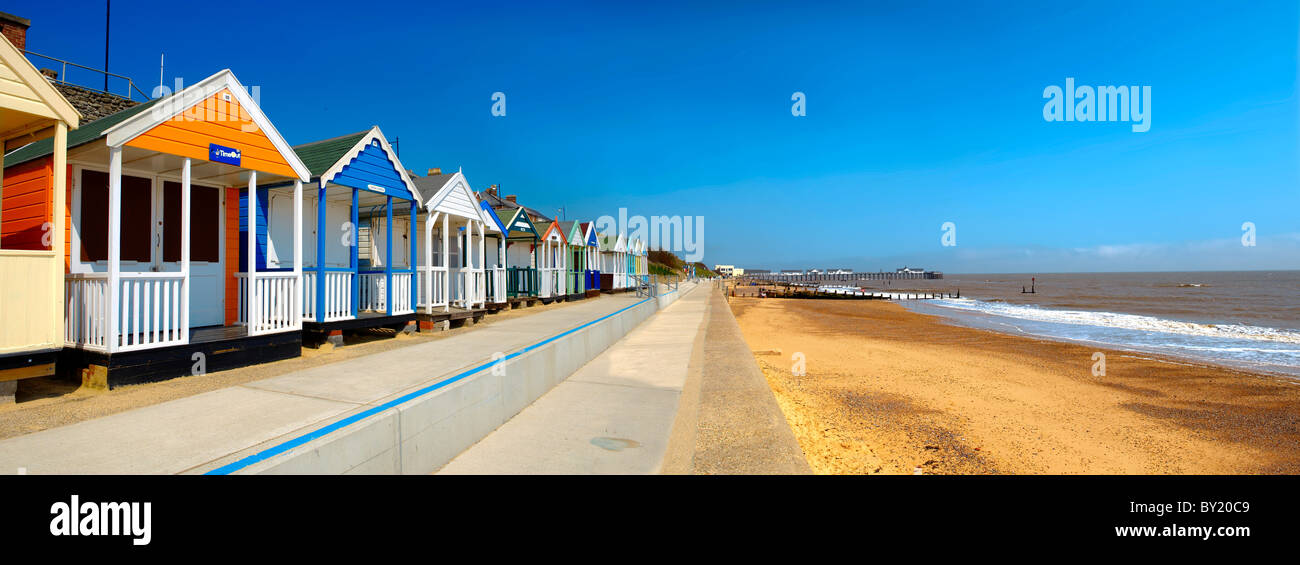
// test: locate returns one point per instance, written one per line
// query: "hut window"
(137, 217)
(205, 212)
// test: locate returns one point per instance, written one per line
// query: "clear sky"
(917, 114)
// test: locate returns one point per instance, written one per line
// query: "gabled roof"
(516, 220)
(589, 233)
(373, 148)
(492, 215)
(176, 104)
(573, 233)
(319, 156)
(548, 228)
(451, 194)
(52, 104)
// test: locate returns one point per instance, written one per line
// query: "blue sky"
(917, 114)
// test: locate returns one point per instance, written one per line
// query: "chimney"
(511, 198)
(435, 171)
(492, 189)
(14, 29)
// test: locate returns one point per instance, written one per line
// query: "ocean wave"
(1121, 321)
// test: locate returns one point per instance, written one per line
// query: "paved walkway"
(741, 429)
(613, 416)
(681, 394)
(192, 434)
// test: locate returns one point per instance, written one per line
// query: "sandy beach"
(889, 391)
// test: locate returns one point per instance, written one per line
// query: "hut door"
(207, 268)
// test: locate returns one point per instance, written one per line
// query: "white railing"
(439, 289)
(498, 285)
(150, 314)
(546, 286)
(372, 292)
(402, 293)
(338, 296)
(469, 288)
(85, 319)
(277, 308)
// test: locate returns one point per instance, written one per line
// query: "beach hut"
(591, 258)
(613, 263)
(453, 277)
(523, 244)
(551, 265)
(162, 195)
(358, 259)
(576, 259)
(631, 260)
(33, 223)
(496, 258)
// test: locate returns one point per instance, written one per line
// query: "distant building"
(910, 271)
(839, 271)
(724, 270)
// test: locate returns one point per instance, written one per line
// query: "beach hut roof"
(499, 203)
(589, 233)
(362, 160)
(516, 220)
(36, 102)
(201, 95)
(551, 231)
(492, 214)
(574, 233)
(452, 195)
(126, 124)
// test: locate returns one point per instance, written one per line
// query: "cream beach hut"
(33, 222)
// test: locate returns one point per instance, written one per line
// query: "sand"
(890, 391)
(49, 402)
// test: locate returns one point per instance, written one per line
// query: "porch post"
(482, 258)
(252, 254)
(410, 239)
(446, 263)
(185, 250)
(429, 219)
(60, 181)
(388, 256)
(297, 254)
(114, 246)
(320, 253)
(354, 261)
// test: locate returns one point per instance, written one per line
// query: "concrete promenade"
(251, 427)
(741, 429)
(612, 416)
(681, 394)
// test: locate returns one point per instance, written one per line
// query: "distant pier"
(822, 278)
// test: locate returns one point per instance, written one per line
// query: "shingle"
(319, 156)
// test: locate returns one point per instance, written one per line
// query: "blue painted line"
(336, 426)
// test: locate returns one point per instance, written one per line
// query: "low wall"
(423, 433)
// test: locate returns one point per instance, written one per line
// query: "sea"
(1244, 319)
